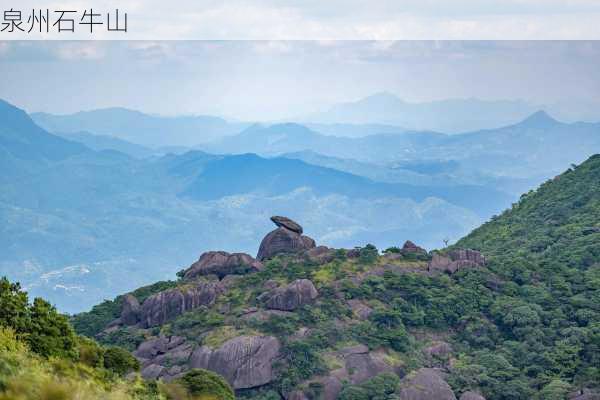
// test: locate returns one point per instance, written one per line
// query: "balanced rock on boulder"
(287, 238)
(221, 263)
(292, 296)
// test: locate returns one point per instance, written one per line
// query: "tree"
(203, 384)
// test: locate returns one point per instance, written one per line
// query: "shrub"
(120, 361)
(204, 384)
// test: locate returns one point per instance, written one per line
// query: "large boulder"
(456, 260)
(471, 396)
(292, 296)
(130, 311)
(221, 263)
(287, 238)
(426, 384)
(244, 361)
(166, 305)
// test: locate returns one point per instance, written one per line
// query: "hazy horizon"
(289, 80)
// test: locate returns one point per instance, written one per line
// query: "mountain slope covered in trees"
(509, 312)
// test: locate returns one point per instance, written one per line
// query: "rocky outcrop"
(471, 396)
(221, 263)
(409, 247)
(164, 357)
(292, 296)
(426, 384)
(456, 260)
(164, 306)
(287, 238)
(585, 394)
(360, 309)
(439, 351)
(320, 255)
(358, 365)
(130, 311)
(244, 361)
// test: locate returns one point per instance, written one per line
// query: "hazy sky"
(344, 19)
(266, 80)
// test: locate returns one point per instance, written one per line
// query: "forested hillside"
(510, 312)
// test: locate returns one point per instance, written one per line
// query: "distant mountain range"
(531, 148)
(144, 129)
(80, 225)
(449, 116)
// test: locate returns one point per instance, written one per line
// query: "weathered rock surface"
(244, 361)
(164, 357)
(287, 223)
(320, 255)
(439, 349)
(221, 263)
(292, 296)
(471, 396)
(130, 311)
(360, 309)
(456, 260)
(585, 394)
(426, 384)
(410, 247)
(287, 238)
(166, 305)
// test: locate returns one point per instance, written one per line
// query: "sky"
(342, 19)
(272, 80)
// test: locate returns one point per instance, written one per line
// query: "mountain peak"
(539, 119)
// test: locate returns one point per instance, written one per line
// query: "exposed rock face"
(410, 247)
(320, 255)
(130, 312)
(440, 350)
(471, 396)
(287, 223)
(287, 238)
(221, 263)
(585, 394)
(358, 366)
(456, 260)
(360, 309)
(426, 384)
(292, 296)
(245, 361)
(164, 306)
(164, 357)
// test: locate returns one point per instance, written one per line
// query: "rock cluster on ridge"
(166, 305)
(456, 260)
(287, 238)
(221, 263)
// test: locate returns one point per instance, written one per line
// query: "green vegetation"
(204, 384)
(525, 326)
(42, 358)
